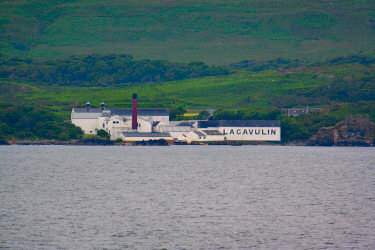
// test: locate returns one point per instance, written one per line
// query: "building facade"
(244, 130)
(153, 124)
(90, 120)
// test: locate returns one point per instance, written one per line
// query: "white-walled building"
(90, 120)
(202, 136)
(244, 130)
(154, 124)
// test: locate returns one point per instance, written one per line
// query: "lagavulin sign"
(251, 133)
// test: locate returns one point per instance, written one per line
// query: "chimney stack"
(88, 106)
(134, 116)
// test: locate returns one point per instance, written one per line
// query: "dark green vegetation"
(102, 133)
(344, 85)
(23, 122)
(349, 79)
(95, 70)
(176, 113)
(213, 31)
(275, 54)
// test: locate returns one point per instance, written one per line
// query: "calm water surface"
(193, 197)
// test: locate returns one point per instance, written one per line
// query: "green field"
(319, 85)
(213, 31)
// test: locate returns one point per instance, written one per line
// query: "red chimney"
(134, 117)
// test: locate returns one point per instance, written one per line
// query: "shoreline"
(159, 143)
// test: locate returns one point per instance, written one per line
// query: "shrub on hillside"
(103, 70)
(25, 122)
(102, 133)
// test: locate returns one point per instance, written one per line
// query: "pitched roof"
(167, 128)
(212, 132)
(141, 112)
(237, 123)
(91, 114)
(134, 134)
(199, 133)
(125, 112)
(186, 124)
(84, 110)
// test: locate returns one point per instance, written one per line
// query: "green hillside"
(324, 84)
(33, 107)
(213, 31)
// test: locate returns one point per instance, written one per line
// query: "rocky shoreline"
(353, 131)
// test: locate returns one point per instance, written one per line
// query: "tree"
(176, 113)
(102, 133)
(25, 122)
(203, 115)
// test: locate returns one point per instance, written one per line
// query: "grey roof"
(141, 112)
(199, 133)
(133, 134)
(86, 115)
(167, 128)
(185, 124)
(155, 123)
(237, 123)
(83, 110)
(126, 112)
(212, 132)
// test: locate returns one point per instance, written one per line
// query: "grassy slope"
(215, 31)
(252, 90)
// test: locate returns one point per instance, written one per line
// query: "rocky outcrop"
(353, 131)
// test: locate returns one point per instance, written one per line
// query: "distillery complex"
(153, 124)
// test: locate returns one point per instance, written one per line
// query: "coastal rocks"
(353, 131)
(96, 141)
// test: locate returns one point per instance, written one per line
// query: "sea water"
(192, 197)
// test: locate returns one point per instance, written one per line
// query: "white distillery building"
(116, 121)
(244, 130)
(153, 124)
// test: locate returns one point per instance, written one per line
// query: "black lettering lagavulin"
(250, 131)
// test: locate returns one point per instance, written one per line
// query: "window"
(103, 125)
